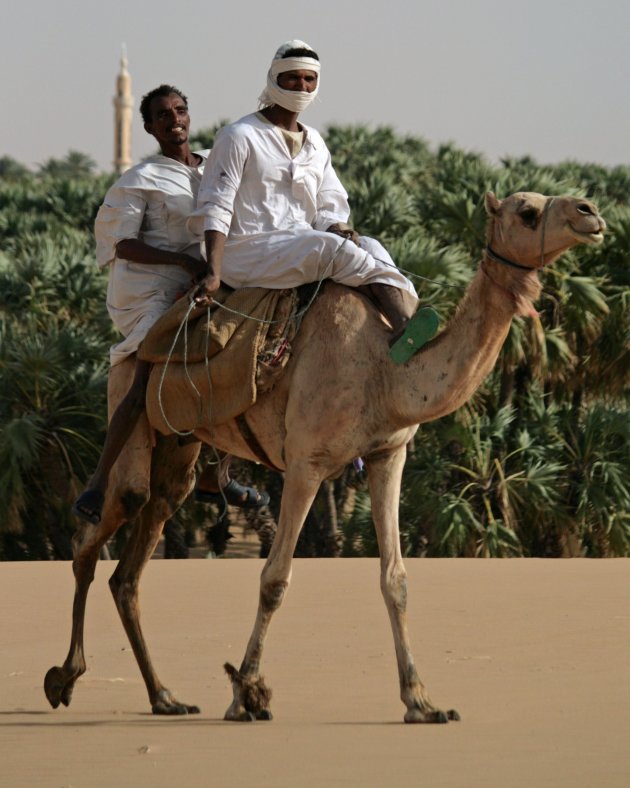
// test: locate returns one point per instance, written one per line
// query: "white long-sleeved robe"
(275, 209)
(150, 202)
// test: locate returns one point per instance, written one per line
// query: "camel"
(341, 397)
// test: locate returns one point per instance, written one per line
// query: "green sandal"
(419, 330)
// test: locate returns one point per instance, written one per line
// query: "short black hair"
(162, 90)
(300, 52)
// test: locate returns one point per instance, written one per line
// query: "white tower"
(123, 106)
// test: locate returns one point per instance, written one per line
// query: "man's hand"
(196, 268)
(205, 290)
(345, 231)
(215, 243)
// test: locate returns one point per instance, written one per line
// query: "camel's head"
(533, 230)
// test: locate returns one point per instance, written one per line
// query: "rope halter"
(504, 260)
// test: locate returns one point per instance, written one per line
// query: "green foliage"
(497, 477)
(12, 170)
(74, 165)
(54, 335)
(204, 138)
(536, 464)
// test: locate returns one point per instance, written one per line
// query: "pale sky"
(548, 78)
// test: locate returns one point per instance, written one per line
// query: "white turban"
(293, 100)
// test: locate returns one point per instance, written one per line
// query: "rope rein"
(183, 324)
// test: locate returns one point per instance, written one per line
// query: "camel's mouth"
(593, 237)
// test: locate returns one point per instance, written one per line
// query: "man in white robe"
(141, 235)
(273, 213)
(149, 205)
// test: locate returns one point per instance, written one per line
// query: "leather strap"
(252, 441)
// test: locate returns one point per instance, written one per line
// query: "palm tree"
(52, 390)
(470, 488)
(536, 464)
(12, 170)
(204, 138)
(54, 335)
(73, 165)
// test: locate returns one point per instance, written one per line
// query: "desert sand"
(535, 655)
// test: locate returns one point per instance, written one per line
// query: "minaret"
(123, 104)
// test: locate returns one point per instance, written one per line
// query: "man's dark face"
(302, 80)
(170, 120)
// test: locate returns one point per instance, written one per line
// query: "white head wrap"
(293, 100)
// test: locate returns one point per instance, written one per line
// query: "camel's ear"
(492, 204)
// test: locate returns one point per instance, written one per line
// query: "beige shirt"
(294, 141)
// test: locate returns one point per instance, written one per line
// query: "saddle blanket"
(210, 364)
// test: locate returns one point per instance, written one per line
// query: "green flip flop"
(419, 330)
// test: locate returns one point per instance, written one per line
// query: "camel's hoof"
(166, 704)
(435, 717)
(58, 688)
(251, 697)
(174, 709)
(453, 715)
(239, 716)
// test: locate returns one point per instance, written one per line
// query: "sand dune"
(534, 654)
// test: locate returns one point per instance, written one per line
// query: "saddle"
(211, 364)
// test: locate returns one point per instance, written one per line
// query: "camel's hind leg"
(87, 542)
(172, 479)
(251, 696)
(385, 475)
(127, 494)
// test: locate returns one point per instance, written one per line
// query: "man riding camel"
(273, 213)
(141, 236)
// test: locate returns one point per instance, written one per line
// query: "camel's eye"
(529, 217)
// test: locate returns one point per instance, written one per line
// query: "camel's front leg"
(251, 696)
(385, 475)
(172, 479)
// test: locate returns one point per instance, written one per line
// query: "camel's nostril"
(585, 208)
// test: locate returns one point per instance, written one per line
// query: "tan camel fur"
(341, 397)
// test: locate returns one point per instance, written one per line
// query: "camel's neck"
(444, 375)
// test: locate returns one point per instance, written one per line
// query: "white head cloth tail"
(293, 100)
